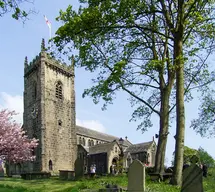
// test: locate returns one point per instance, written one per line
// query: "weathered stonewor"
(136, 177)
(49, 112)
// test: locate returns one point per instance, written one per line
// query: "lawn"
(56, 185)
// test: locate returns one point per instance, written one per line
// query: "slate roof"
(101, 148)
(139, 147)
(98, 135)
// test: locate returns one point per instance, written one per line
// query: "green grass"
(56, 185)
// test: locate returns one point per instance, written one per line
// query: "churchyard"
(136, 180)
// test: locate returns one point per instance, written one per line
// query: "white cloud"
(91, 124)
(10, 102)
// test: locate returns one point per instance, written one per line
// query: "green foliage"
(205, 157)
(208, 183)
(13, 6)
(188, 153)
(129, 44)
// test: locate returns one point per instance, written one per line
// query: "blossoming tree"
(15, 146)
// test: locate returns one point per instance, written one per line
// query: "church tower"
(49, 112)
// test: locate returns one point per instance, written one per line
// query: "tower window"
(59, 123)
(50, 165)
(59, 91)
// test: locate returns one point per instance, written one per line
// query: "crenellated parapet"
(49, 61)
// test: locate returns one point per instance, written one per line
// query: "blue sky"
(18, 40)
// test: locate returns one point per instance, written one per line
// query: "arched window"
(84, 142)
(50, 165)
(89, 143)
(59, 90)
(97, 142)
(80, 140)
(92, 142)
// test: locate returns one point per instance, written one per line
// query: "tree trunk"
(163, 132)
(180, 113)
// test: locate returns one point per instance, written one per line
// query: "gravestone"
(79, 168)
(136, 177)
(192, 177)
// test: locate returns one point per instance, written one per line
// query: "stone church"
(49, 115)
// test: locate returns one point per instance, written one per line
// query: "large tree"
(131, 59)
(15, 146)
(13, 7)
(141, 47)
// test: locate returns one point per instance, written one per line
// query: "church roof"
(98, 135)
(101, 148)
(140, 147)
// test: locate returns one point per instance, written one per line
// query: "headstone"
(79, 168)
(136, 177)
(192, 177)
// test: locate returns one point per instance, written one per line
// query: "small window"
(92, 142)
(59, 91)
(89, 143)
(50, 166)
(83, 142)
(115, 149)
(59, 123)
(97, 142)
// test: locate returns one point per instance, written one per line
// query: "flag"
(47, 22)
(49, 26)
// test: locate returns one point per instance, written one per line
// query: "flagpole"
(50, 33)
